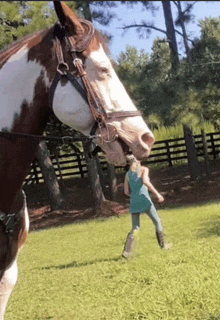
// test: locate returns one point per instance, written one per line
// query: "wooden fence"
(173, 151)
(164, 153)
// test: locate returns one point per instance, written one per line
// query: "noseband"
(87, 92)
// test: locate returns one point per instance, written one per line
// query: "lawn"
(76, 272)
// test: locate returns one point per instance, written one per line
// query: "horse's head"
(123, 130)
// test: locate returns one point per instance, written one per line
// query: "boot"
(160, 239)
(129, 245)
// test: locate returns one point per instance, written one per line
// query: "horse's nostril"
(148, 138)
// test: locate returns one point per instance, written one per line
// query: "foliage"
(76, 272)
(130, 70)
(149, 79)
(199, 94)
(19, 18)
(190, 96)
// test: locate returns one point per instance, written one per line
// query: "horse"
(65, 70)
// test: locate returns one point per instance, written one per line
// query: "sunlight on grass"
(76, 272)
(174, 132)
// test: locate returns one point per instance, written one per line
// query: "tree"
(19, 18)
(169, 87)
(49, 176)
(171, 36)
(99, 12)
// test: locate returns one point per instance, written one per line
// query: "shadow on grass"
(210, 228)
(211, 317)
(75, 264)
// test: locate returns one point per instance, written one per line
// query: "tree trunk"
(193, 163)
(49, 176)
(93, 174)
(184, 32)
(171, 34)
(112, 181)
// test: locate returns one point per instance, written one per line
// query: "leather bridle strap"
(74, 82)
(123, 114)
(9, 221)
(95, 104)
(87, 93)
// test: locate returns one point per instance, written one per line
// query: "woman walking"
(136, 185)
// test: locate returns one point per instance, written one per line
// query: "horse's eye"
(104, 70)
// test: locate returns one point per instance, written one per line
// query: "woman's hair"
(132, 161)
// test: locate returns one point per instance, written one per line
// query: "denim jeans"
(152, 213)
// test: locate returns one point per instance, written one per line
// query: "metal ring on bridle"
(114, 134)
(62, 65)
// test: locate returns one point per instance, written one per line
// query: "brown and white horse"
(27, 72)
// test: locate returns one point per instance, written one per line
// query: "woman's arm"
(126, 186)
(147, 182)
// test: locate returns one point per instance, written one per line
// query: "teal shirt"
(140, 198)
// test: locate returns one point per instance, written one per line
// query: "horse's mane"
(12, 48)
(21, 40)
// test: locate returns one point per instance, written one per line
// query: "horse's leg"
(10, 275)
(7, 284)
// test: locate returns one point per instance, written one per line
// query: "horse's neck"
(24, 103)
(18, 80)
(16, 156)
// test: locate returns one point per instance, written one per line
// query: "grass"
(176, 131)
(76, 272)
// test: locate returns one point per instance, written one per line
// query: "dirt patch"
(174, 183)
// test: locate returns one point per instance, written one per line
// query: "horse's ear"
(68, 17)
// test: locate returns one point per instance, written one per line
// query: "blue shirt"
(140, 198)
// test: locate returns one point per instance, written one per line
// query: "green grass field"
(76, 272)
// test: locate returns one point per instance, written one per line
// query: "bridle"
(86, 90)
(95, 104)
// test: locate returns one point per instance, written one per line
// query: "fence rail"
(168, 152)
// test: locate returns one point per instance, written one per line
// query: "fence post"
(193, 163)
(206, 154)
(213, 145)
(168, 154)
(34, 164)
(80, 165)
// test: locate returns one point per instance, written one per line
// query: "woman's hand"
(160, 198)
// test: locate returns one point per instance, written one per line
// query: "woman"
(136, 185)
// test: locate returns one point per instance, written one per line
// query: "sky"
(126, 16)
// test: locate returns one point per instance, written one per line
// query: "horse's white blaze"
(108, 86)
(70, 108)
(17, 82)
